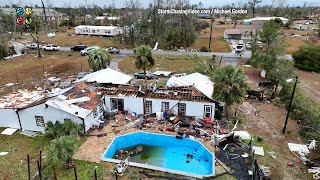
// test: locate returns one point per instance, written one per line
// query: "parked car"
(239, 48)
(33, 46)
(87, 50)
(78, 47)
(113, 50)
(140, 75)
(248, 45)
(51, 47)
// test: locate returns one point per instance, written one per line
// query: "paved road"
(229, 56)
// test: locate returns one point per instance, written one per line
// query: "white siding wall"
(89, 120)
(9, 118)
(130, 103)
(136, 105)
(192, 108)
(28, 121)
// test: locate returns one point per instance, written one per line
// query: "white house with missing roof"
(184, 101)
(26, 110)
(98, 30)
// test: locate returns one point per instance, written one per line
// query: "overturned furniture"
(121, 167)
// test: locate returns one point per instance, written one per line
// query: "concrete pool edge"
(157, 168)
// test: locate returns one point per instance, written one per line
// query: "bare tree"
(253, 4)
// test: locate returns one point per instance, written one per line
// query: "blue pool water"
(165, 151)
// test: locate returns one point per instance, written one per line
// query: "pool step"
(199, 152)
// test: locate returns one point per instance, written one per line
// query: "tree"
(99, 59)
(282, 71)
(144, 61)
(273, 45)
(57, 129)
(205, 66)
(307, 58)
(230, 86)
(252, 4)
(61, 150)
(3, 47)
(53, 130)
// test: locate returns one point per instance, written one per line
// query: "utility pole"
(211, 33)
(294, 89)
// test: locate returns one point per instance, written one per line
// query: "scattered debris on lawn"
(272, 154)
(3, 153)
(9, 131)
(316, 172)
(29, 133)
(258, 150)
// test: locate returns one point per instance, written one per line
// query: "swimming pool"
(164, 153)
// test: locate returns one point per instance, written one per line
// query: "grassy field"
(14, 165)
(178, 64)
(69, 39)
(30, 71)
(18, 146)
(218, 44)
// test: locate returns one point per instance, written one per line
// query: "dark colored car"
(78, 47)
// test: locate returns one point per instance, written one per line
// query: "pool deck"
(94, 147)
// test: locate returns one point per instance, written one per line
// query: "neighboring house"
(300, 27)
(32, 110)
(262, 20)
(98, 30)
(113, 18)
(185, 101)
(238, 34)
(199, 81)
(106, 76)
(51, 14)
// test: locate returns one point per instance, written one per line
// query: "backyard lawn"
(177, 64)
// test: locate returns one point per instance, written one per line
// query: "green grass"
(177, 64)
(85, 171)
(14, 165)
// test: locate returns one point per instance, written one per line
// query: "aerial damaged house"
(32, 110)
(238, 34)
(184, 101)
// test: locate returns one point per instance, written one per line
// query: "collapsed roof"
(199, 81)
(185, 93)
(80, 100)
(106, 76)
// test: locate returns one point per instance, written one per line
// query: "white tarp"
(199, 81)
(176, 82)
(8, 131)
(164, 73)
(242, 134)
(299, 148)
(105, 76)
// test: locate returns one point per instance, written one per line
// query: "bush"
(205, 49)
(259, 139)
(308, 58)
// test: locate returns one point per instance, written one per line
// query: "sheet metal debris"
(9, 131)
(258, 150)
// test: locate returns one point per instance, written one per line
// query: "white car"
(239, 48)
(87, 50)
(51, 47)
(33, 46)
